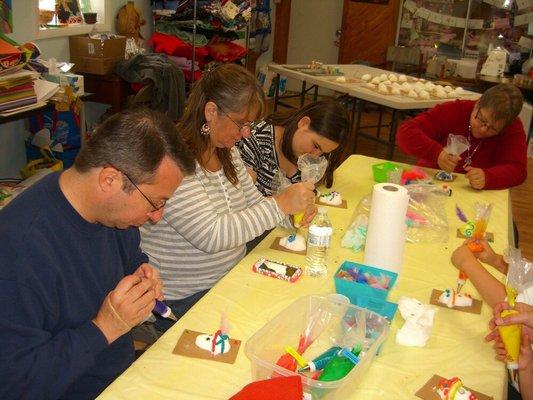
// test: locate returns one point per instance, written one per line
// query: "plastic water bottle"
(320, 232)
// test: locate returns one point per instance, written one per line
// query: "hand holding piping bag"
(518, 276)
(312, 169)
(480, 226)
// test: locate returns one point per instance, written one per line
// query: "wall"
(312, 33)
(12, 153)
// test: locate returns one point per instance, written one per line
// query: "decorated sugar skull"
(453, 389)
(453, 299)
(216, 344)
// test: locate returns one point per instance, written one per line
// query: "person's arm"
(489, 256)
(137, 257)
(250, 155)
(510, 159)
(490, 289)
(422, 136)
(192, 215)
(525, 368)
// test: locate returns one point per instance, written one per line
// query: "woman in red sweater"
(497, 156)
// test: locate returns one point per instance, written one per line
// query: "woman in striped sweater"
(214, 212)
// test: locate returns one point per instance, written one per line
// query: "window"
(54, 18)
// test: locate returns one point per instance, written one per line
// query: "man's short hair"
(504, 100)
(135, 141)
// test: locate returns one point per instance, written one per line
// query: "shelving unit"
(208, 26)
(465, 28)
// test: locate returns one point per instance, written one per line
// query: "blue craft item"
(291, 238)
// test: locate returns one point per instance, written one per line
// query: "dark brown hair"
(328, 119)
(135, 141)
(504, 100)
(233, 89)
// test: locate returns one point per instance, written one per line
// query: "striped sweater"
(205, 227)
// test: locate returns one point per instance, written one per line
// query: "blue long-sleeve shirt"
(55, 271)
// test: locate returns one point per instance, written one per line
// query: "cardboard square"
(276, 246)
(344, 204)
(489, 236)
(475, 308)
(428, 392)
(186, 346)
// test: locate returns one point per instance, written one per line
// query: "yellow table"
(455, 348)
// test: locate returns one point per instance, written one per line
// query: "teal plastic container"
(351, 289)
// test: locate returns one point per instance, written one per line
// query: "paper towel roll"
(386, 227)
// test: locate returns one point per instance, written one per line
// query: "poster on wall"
(68, 11)
(6, 16)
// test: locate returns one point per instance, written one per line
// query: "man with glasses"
(496, 157)
(73, 280)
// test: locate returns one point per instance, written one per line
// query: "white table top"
(355, 87)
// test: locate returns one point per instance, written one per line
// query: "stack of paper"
(17, 89)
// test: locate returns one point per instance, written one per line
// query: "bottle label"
(320, 235)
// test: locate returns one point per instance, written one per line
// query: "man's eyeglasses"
(484, 122)
(156, 206)
(245, 129)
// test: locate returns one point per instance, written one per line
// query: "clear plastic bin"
(328, 321)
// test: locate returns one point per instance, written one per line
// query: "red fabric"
(174, 46)
(503, 157)
(282, 388)
(226, 51)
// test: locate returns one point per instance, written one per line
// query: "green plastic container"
(381, 171)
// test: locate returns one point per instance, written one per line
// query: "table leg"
(392, 133)
(357, 107)
(315, 94)
(276, 92)
(302, 94)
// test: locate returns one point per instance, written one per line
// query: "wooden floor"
(521, 196)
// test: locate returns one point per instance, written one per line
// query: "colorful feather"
(460, 214)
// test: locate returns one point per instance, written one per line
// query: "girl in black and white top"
(318, 128)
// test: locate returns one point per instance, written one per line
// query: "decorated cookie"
(331, 198)
(293, 242)
(451, 299)
(216, 344)
(453, 389)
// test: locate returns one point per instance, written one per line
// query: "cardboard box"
(67, 79)
(94, 56)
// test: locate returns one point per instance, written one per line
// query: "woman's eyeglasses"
(245, 129)
(484, 122)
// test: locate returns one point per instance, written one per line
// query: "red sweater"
(503, 157)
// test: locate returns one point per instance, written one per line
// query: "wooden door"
(368, 28)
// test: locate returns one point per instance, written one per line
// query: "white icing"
(396, 91)
(423, 94)
(451, 298)
(294, 243)
(376, 80)
(205, 342)
(393, 78)
(370, 85)
(448, 89)
(366, 77)
(383, 77)
(341, 79)
(412, 94)
(332, 198)
(402, 78)
(383, 89)
(387, 82)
